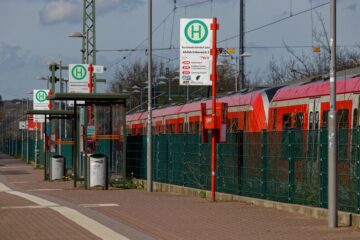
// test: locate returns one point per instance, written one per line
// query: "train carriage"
(307, 106)
(248, 112)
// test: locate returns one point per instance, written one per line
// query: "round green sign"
(78, 72)
(196, 31)
(41, 96)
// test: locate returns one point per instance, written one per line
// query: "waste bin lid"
(57, 156)
(97, 155)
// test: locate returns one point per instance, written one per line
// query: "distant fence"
(289, 166)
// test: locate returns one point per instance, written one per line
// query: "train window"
(186, 127)
(317, 120)
(343, 118)
(191, 127)
(299, 120)
(325, 118)
(234, 125)
(286, 121)
(171, 128)
(181, 127)
(197, 126)
(228, 125)
(275, 118)
(311, 120)
(355, 118)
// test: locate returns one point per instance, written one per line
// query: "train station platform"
(31, 208)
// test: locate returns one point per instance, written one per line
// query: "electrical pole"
(241, 46)
(149, 125)
(89, 39)
(332, 146)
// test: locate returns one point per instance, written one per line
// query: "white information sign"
(39, 118)
(99, 69)
(195, 46)
(78, 78)
(39, 99)
(22, 125)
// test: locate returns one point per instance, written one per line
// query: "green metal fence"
(288, 166)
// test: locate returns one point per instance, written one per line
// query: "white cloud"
(58, 11)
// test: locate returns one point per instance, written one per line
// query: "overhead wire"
(173, 23)
(155, 29)
(171, 47)
(274, 22)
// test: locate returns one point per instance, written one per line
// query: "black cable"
(272, 23)
(155, 29)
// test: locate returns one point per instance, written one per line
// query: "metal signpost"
(40, 102)
(332, 147)
(198, 56)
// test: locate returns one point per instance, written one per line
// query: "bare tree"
(302, 65)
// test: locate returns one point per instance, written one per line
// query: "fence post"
(323, 168)
(240, 161)
(358, 169)
(291, 145)
(264, 165)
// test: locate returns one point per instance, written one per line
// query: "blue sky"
(34, 32)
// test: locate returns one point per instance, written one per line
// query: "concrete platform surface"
(31, 208)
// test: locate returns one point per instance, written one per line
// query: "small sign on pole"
(22, 125)
(195, 55)
(98, 69)
(39, 118)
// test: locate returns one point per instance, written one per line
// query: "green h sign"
(78, 72)
(41, 96)
(196, 31)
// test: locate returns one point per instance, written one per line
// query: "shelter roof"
(102, 97)
(50, 112)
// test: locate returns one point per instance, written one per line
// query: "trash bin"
(97, 170)
(57, 167)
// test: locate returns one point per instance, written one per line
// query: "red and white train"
(303, 106)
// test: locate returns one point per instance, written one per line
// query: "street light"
(241, 71)
(44, 78)
(162, 78)
(84, 36)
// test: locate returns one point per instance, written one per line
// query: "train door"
(356, 107)
(314, 114)
(313, 129)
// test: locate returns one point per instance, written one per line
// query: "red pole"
(214, 28)
(90, 84)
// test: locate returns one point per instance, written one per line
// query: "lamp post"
(149, 117)
(332, 120)
(27, 132)
(137, 89)
(242, 68)
(83, 112)
(44, 78)
(85, 37)
(162, 79)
